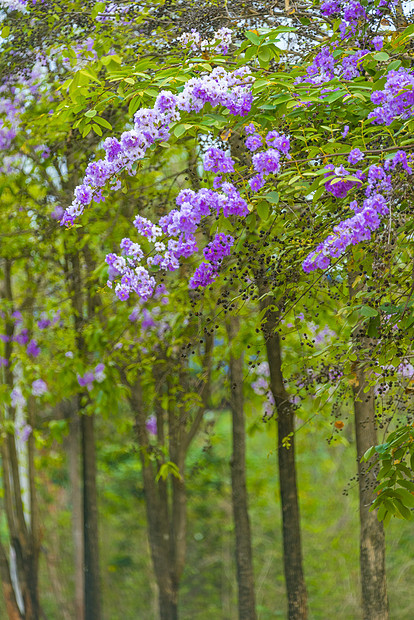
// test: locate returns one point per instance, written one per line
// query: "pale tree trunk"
(76, 501)
(292, 546)
(90, 521)
(23, 528)
(372, 538)
(244, 561)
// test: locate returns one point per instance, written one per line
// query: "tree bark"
(77, 512)
(23, 529)
(372, 538)
(156, 502)
(13, 611)
(80, 306)
(244, 561)
(292, 547)
(90, 521)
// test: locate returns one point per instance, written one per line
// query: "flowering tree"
(313, 189)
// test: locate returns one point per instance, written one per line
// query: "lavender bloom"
(32, 349)
(39, 387)
(3, 362)
(204, 275)
(355, 156)
(378, 43)
(99, 373)
(151, 425)
(23, 432)
(257, 182)
(17, 398)
(87, 380)
(254, 142)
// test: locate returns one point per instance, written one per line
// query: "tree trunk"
(20, 582)
(292, 547)
(244, 562)
(77, 516)
(13, 611)
(92, 588)
(156, 503)
(90, 521)
(372, 539)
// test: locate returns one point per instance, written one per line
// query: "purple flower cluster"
(90, 376)
(231, 90)
(217, 161)
(178, 228)
(261, 386)
(214, 253)
(396, 100)
(338, 184)
(219, 44)
(39, 387)
(367, 217)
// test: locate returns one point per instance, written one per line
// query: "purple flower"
(32, 349)
(345, 131)
(256, 183)
(3, 362)
(17, 398)
(99, 373)
(204, 275)
(151, 425)
(250, 129)
(217, 161)
(254, 142)
(22, 337)
(217, 249)
(57, 213)
(83, 193)
(112, 147)
(378, 43)
(39, 387)
(267, 161)
(23, 432)
(355, 156)
(87, 380)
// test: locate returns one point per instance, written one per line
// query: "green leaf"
(91, 113)
(252, 37)
(382, 56)
(368, 311)
(179, 130)
(263, 210)
(103, 122)
(98, 8)
(97, 129)
(272, 197)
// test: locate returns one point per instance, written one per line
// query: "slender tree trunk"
(292, 547)
(23, 528)
(372, 539)
(77, 516)
(92, 587)
(156, 503)
(13, 611)
(90, 521)
(244, 562)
